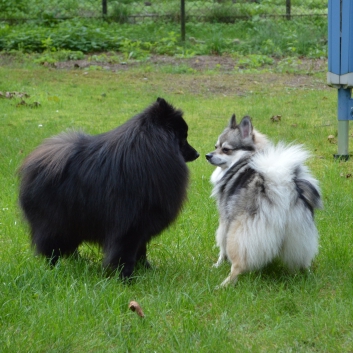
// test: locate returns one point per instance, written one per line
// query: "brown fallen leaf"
(343, 175)
(276, 118)
(34, 105)
(21, 103)
(11, 95)
(331, 138)
(135, 306)
(23, 95)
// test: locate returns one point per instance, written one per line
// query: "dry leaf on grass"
(135, 306)
(276, 118)
(331, 138)
(23, 103)
(10, 95)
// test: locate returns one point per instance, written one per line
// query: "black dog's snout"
(209, 156)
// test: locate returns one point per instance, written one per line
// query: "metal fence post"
(182, 19)
(340, 67)
(105, 8)
(288, 9)
(343, 113)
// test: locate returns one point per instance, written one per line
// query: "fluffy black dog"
(117, 189)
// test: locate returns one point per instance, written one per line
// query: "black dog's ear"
(233, 122)
(164, 108)
(163, 112)
(161, 100)
(245, 127)
(163, 104)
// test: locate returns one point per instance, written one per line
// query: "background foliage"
(50, 31)
(140, 10)
(296, 38)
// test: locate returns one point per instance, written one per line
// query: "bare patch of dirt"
(199, 63)
(229, 78)
(209, 74)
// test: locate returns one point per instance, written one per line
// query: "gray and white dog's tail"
(284, 164)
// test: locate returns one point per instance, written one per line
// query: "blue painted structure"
(340, 66)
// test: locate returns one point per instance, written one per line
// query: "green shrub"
(259, 36)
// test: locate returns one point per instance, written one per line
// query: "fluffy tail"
(282, 163)
(51, 156)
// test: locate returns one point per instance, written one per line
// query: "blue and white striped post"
(340, 66)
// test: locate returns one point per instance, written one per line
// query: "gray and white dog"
(266, 198)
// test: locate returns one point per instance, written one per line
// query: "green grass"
(75, 308)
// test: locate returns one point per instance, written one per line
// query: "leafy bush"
(16, 8)
(262, 37)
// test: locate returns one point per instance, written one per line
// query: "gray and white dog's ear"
(245, 127)
(233, 122)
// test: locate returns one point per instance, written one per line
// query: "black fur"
(117, 189)
(308, 194)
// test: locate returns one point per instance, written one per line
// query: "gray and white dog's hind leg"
(234, 253)
(221, 240)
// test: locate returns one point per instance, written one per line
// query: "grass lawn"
(75, 308)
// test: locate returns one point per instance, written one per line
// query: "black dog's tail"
(51, 156)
